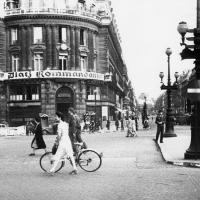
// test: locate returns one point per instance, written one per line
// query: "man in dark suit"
(72, 124)
(160, 126)
(38, 141)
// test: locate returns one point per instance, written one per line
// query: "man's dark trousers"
(160, 131)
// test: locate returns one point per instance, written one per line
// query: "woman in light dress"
(131, 127)
(64, 144)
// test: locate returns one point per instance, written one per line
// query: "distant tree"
(143, 96)
(160, 102)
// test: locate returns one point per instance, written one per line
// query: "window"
(30, 3)
(83, 63)
(32, 92)
(12, 4)
(63, 60)
(94, 41)
(95, 65)
(15, 63)
(91, 92)
(38, 61)
(24, 92)
(37, 34)
(63, 35)
(82, 37)
(14, 35)
(16, 93)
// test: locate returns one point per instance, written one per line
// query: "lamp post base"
(169, 130)
(169, 126)
(191, 155)
(193, 152)
(169, 134)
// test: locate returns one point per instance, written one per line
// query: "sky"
(147, 28)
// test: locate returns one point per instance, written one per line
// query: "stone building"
(57, 54)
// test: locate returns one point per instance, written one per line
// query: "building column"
(72, 46)
(23, 50)
(3, 101)
(77, 45)
(68, 36)
(54, 46)
(29, 43)
(8, 55)
(43, 98)
(91, 51)
(49, 47)
(2, 46)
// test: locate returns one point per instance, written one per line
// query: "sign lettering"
(51, 74)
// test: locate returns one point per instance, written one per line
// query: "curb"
(176, 162)
(184, 164)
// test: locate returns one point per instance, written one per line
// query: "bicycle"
(88, 160)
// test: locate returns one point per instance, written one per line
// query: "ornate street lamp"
(169, 126)
(193, 90)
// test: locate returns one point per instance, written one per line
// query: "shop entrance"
(64, 100)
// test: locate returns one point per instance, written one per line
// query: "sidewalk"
(174, 148)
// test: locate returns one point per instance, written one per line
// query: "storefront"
(33, 92)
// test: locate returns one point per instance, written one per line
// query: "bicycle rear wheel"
(46, 162)
(89, 160)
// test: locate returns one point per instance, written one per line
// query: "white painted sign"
(51, 74)
(193, 90)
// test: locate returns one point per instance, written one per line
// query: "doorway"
(64, 100)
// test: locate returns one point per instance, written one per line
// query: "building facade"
(60, 54)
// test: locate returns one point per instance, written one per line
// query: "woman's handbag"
(54, 148)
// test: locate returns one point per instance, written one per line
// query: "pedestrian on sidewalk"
(117, 124)
(72, 125)
(38, 141)
(108, 124)
(122, 124)
(131, 128)
(78, 137)
(64, 144)
(160, 126)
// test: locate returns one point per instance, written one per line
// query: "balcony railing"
(77, 12)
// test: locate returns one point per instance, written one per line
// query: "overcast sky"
(147, 28)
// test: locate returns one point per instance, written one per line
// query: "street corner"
(173, 150)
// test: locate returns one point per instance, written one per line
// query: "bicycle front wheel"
(46, 162)
(89, 160)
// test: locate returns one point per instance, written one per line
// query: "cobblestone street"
(132, 168)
